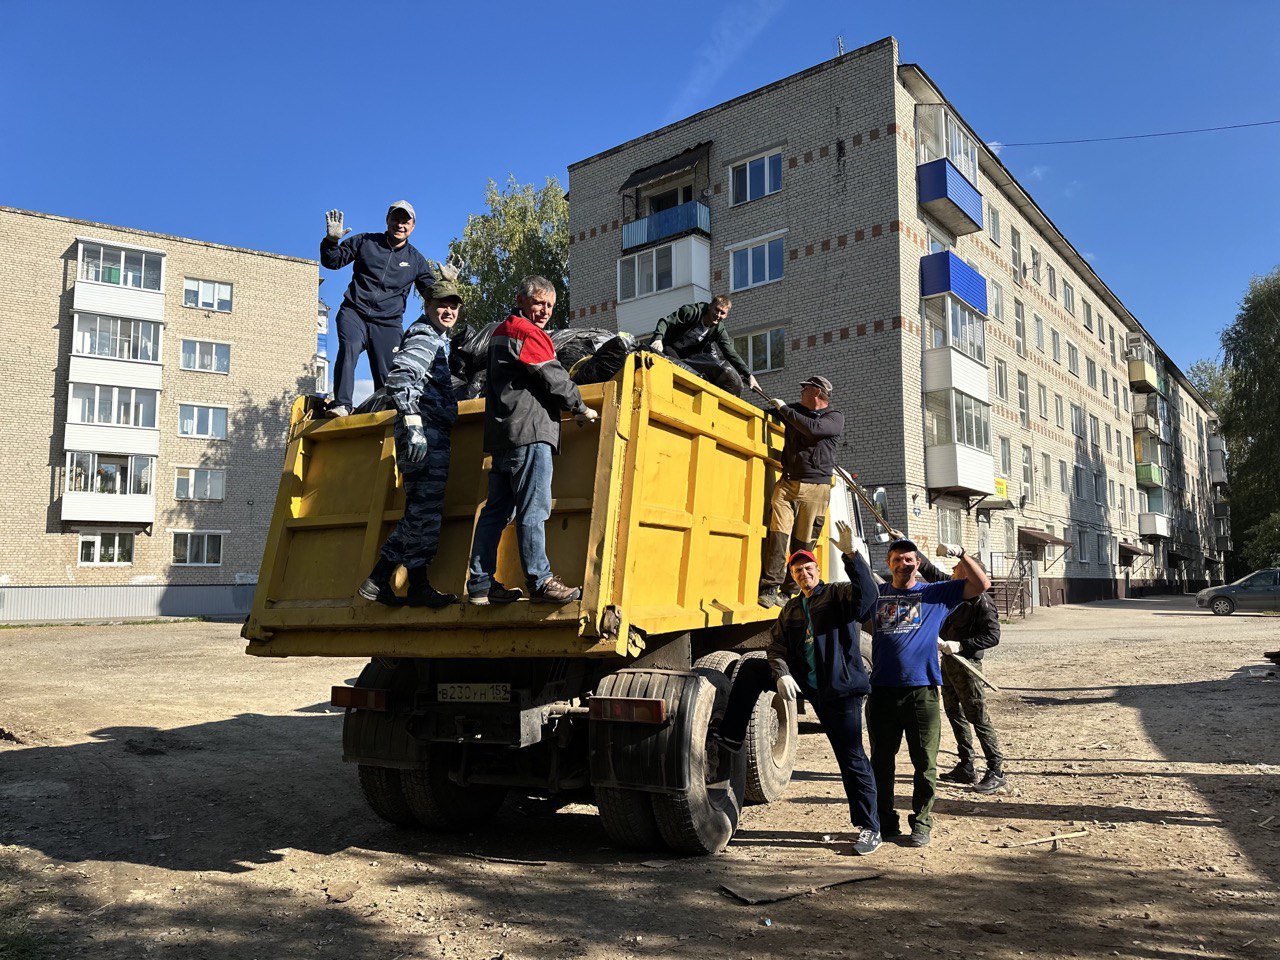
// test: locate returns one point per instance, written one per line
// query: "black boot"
(963, 773)
(423, 594)
(377, 586)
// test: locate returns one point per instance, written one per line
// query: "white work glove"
(777, 404)
(656, 346)
(950, 550)
(844, 537)
(752, 382)
(788, 689)
(948, 646)
(586, 417)
(333, 225)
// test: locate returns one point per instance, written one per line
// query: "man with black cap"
(798, 508)
(905, 676)
(814, 653)
(421, 389)
(371, 317)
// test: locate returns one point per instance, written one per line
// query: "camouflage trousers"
(414, 541)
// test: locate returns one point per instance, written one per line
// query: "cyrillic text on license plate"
(473, 692)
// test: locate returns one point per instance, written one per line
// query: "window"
(108, 473)
(198, 483)
(1082, 545)
(206, 355)
(206, 295)
(1107, 434)
(757, 177)
(119, 267)
(197, 421)
(954, 417)
(1006, 457)
(939, 133)
(1053, 282)
(1068, 298)
(1057, 410)
(321, 366)
(1106, 389)
(1077, 420)
(1038, 324)
(120, 406)
(1125, 392)
(644, 273)
(1132, 506)
(1062, 475)
(997, 301)
(98, 336)
(1123, 517)
(1094, 433)
(1073, 358)
(1028, 476)
(1088, 316)
(1077, 482)
(1015, 254)
(1111, 342)
(1035, 264)
(196, 548)
(993, 224)
(1104, 548)
(1043, 395)
(106, 549)
(948, 525)
(1019, 328)
(755, 264)
(1002, 380)
(1024, 401)
(763, 351)
(950, 322)
(1056, 341)
(1102, 331)
(1046, 472)
(1091, 369)
(1111, 493)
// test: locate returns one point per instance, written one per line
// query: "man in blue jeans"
(526, 391)
(814, 652)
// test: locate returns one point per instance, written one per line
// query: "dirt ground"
(162, 794)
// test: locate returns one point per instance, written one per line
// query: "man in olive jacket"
(696, 335)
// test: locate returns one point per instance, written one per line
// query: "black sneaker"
(919, 838)
(992, 781)
(377, 586)
(554, 591)
(428, 596)
(868, 842)
(963, 774)
(772, 598)
(496, 593)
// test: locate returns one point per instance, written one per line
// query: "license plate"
(473, 692)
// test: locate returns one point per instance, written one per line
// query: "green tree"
(1262, 549)
(1213, 380)
(525, 231)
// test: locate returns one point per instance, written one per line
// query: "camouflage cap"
(443, 289)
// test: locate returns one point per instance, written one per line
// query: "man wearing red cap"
(814, 652)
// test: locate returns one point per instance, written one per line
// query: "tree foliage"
(525, 231)
(1213, 380)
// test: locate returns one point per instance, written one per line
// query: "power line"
(1140, 136)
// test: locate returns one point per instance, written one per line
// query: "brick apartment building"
(149, 384)
(993, 384)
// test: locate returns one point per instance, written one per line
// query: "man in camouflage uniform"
(419, 385)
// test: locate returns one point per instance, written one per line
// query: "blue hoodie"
(381, 277)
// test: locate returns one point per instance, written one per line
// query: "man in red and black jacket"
(526, 391)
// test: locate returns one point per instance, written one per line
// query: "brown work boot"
(553, 590)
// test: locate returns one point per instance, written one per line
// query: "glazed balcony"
(944, 273)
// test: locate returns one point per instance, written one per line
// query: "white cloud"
(1090, 256)
(361, 391)
(995, 146)
(733, 33)
(1038, 171)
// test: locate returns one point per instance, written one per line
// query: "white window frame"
(1042, 393)
(1073, 359)
(1019, 328)
(744, 165)
(1091, 373)
(1006, 457)
(139, 463)
(122, 249)
(949, 525)
(993, 223)
(633, 262)
(1062, 477)
(95, 537)
(1053, 283)
(1024, 399)
(134, 337)
(1068, 298)
(1055, 340)
(997, 301)
(1028, 474)
(182, 355)
(1058, 412)
(1035, 265)
(192, 478)
(216, 287)
(1015, 254)
(222, 543)
(1037, 323)
(749, 245)
(195, 419)
(748, 341)
(116, 390)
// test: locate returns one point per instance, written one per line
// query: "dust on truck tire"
(770, 745)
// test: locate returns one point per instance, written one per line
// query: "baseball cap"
(443, 289)
(404, 205)
(822, 383)
(903, 546)
(801, 556)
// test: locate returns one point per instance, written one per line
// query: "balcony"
(109, 507)
(943, 272)
(1223, 544)
(1150, 475)
(1221, 510)
(672, 222)
(956, 468)
(117, 301)
(1142, 376)
(947, 368)
(947, 196)
(1149, 423)
(687, 281)
(1153, 525)
(1217, 466)
(144, 374)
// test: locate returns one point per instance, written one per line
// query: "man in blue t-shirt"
(905, 677)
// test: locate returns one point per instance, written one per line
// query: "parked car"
(1257, 591)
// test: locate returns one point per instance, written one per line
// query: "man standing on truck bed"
(696, 335)
(798, 507)
(814, 651)
(526, 391)
(372, 311)
(905, 677)
(420, 387)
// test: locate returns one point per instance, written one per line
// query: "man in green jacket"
(696, 335)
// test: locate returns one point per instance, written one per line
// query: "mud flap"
(645, 756)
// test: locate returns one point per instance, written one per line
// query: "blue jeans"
(519, 490)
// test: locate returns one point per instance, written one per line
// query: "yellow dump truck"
(659, 512)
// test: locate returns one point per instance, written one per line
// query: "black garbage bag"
(606, 361)
(469, 352)
(575, 343)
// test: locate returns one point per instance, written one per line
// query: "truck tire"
(628, 818)
(385, 795)
(703, 820)
(770, 746)
(440, 804)
(725, 661)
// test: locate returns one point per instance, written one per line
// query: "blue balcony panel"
(672, 222)
(948, 197)
(944, 272)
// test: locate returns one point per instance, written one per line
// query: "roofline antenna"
(839, 45)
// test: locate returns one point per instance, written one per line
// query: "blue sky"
(242, 123)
